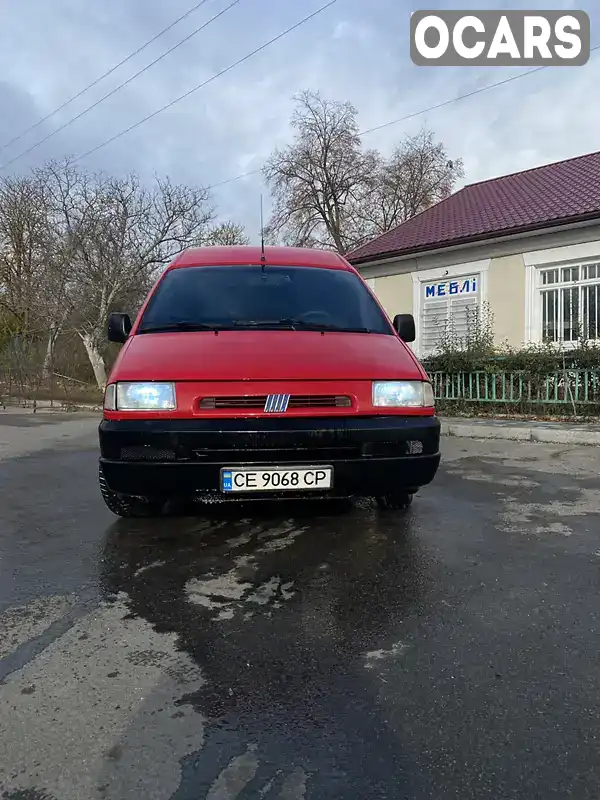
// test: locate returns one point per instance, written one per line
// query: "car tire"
(399, 501)
(128, 507)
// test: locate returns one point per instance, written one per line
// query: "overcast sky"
(356, 50)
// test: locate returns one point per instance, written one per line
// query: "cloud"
(353, 51)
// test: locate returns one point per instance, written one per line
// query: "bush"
(539, 379)
(476, 351)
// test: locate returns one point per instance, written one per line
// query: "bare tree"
(226, 233)
(75, 246)
(318, 180)
(418, 174)
(23, 225)
(329, 192)
(24, 239)
(115, 235)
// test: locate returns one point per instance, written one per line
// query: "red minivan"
(255, 372)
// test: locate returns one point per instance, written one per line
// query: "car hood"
(264, 355)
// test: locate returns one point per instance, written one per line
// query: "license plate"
(275, 479)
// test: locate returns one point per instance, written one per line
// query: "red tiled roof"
(562, 192)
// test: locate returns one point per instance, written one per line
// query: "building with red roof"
(526, 245)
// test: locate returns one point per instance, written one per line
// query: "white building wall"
(506, 275)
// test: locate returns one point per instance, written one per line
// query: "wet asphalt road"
(300, 651)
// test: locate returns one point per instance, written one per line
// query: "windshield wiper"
(181, 326)
(324, 326)
(327, 326)
(293, 324)
(264, 323)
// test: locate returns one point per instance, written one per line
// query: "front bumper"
(370, 456)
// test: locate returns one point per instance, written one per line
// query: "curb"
(553, 433)
(45, 407)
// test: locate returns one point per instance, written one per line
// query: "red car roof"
(558, 193)
(251, 254)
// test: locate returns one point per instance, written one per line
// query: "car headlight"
(403, 394)
(139, 396)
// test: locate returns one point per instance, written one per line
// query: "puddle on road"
(471, 474)
(552, 517)
(396, 650)
(240, 778)
(235, 777)
(535, 510)
(114, 708)
(235, 591)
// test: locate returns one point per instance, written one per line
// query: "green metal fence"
(572, 387)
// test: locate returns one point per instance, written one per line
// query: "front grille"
(276, 455)
(146, 452)
(258, 401)
(233, 402)
(295, 454)
(319, 401)
(262, 453)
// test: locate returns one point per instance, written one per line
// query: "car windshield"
(252, 297)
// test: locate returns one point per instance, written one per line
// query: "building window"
(570, 303)
(448, 309)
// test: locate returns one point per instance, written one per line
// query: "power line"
(411, 116)
(105, 75)
(236, 178)
(461, 97)
(120, 86)
(204, 83)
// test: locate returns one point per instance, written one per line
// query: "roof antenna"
(263, 258)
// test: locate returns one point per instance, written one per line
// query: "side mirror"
(119, 327)
(404, 325)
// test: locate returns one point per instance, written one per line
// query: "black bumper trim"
(369, 455)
